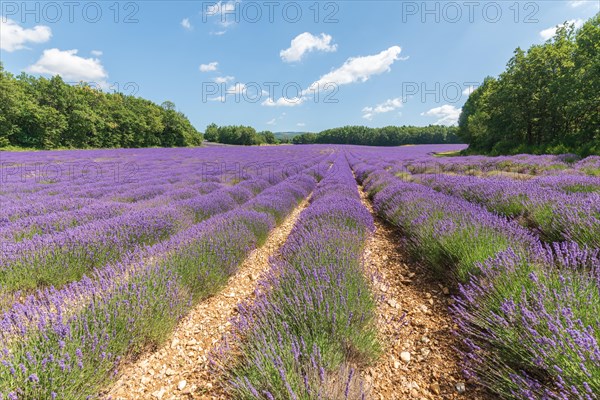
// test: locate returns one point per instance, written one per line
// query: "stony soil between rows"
(420, 359)
(180, 369)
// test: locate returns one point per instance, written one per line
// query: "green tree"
(48, 113)
(547, 99)
(268, 137)
(211, 133)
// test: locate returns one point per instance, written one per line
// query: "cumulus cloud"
(468, 90)
(550, 32)
(14, 37)
(69, 65)
(186, 24)
(587, 5)
(301, 124)
(284, 102)
(272, 121)
(386, 106)
(224, 79)
(577, 3)
(305, 43)
(355, 69)
(209, 67)
(223, 11)
(446, 114)
(238, 88)
(96, 53)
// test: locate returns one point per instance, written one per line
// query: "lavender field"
(109, 256)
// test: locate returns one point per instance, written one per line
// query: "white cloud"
(447, 114)
(209, 67)
(301, 124)
(588, 5)
(359, 68)
(386, 106)
(550, 32)
(272, 122)
(468, 90)
(70, 66)
(223, 11)
(304, 43)
(284, 102)
(577, 3)
(224, 79)
(186, 24)
(218, 33)
(14, 37)
(96, 53)
(238, 88)
(353, 70)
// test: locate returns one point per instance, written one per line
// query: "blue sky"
(283, 66)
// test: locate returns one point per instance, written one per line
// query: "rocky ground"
(420, 359)
(180, 369)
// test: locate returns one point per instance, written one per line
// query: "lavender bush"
(528, 314)
(450, 234)
(558, 208)
(530, 325)
(68, 342)
(312, 324)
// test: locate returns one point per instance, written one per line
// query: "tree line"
(386, 136)
(546, 101)
(359, 135)
(239, 134)
(46, 113)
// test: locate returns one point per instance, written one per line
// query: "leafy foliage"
(241, 135)
(48, 113)
(360, 135)
(386, 136)
(547, 100)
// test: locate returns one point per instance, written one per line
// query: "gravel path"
(180, 369)
(420, 360)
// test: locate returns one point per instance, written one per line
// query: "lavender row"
(530, 324)
(25, 193)
(450, 234)
(206, 206)
(65, 256)
(99, 234)
(52, 352)
(58, 221)
(313, 319)
(77, 292)
(558, 208)
(27, 227)
(528, 315)
(442, 159)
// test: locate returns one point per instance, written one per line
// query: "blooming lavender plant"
(68, 342)
(313, 320)
(530, 324)
(450, 234)
(528, 315)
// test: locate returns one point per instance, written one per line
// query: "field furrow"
(332, 272)
(181, 367)
(526, 311)
(420, 358)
